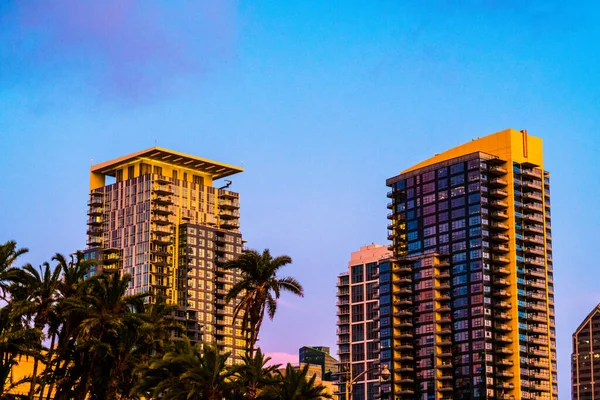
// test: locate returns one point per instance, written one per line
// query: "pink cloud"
(282, 358)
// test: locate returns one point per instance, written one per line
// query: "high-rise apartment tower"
(481, 303)
(162, 221)
(585, 367)
(358, 315)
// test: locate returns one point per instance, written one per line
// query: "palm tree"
(8, 273)
(253, 375)
(39, 304)
(259, 289)
(296, 385)
(188, 372)
(105, 335)
(16, 339)
(62, 330)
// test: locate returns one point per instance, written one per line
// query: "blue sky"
(320, 101)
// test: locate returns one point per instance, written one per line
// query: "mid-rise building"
(585, 367)
(472, 284)
(156, 215)
(319, 355)
(358, 327)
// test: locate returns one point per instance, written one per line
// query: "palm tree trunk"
(33, 376)
(49, 363)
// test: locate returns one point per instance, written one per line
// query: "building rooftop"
(215, 169)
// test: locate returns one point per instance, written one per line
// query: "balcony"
(500, 225)
(498, 204)
(539, 273)
(502, 316)
(501, 293)
(503, 328)
(230, 224)
(497, 170)
(503, 339)
(162, 209)
(500, 237)
(503, 305)
(540, 262)
(161, 220)
(533, 217)
(229, 204)
(501, 215)
(498, 193)
(502, 362)
(501, 259)
(531, 173)
(229, 214)
(94, 241)
(162, 189)
(94, 221)
(497, 182)
(95, 211)
(96, 199)
(501, 271)
(532, 196)
(534, 250)
(95, 231)
(536, 284)
(537, 239)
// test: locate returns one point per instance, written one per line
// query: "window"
(413, 235)
(357, 293)
(457, 235)
(443, 227)
(430, 198)
(358, 313)
(429, 220)
(358, 332)
(457, 191)
(457, 168)
(430, 209)
(457, 180)
(458, 213)
(458, 202)
(357, 274)
(414, 246)
(371, 271)
(429, 187)
(442, 172)
(458, 246)
(474, 220)
(474, 198)
(457, 257)
(429, 242)
(458, 224)
(429, 231)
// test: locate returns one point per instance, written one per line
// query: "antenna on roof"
(226, 186)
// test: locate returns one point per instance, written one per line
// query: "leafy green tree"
(105, 335)
(38, 306)
(188, 372)
(253, 375)
(8, 272)
(259, 289)
(296, 385)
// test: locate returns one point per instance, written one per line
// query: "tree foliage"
(88, 339)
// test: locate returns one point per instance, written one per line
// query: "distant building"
(358, 326)
(318, 355)
(585, 370)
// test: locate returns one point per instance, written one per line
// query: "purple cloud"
(130, 48)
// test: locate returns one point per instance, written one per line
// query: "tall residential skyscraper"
(585, 368)
(162, 221)
(358, 313)
(484, 209)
